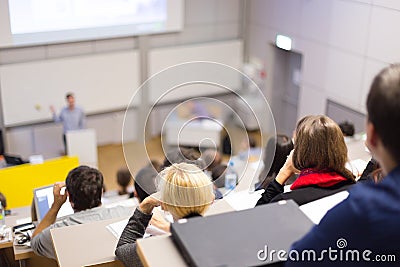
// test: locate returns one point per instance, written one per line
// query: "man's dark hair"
(383, 106)
(252, 142)
(182, 154)
(275, 153)
(347, 128)
(123, 179)
(68, 95)
(85, 186)
(145, 182)
(218, 175)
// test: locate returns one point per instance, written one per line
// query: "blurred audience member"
(347, 128)
(320, 155)
(282, 145)
(218, 175)
(145, 182)
(124, 178)
(211, 158)
(372, 172)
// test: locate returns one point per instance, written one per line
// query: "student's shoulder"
(371, 195)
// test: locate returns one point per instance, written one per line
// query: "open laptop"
(13, 160)
(236, 238)
(43, 199)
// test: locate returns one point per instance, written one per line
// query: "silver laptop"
(43, 199)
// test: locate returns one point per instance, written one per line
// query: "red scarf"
(319, 178)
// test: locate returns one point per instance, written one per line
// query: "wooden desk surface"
(85, 244)
(159, 251)
(23, 253)
(11, 220)
(20, 253)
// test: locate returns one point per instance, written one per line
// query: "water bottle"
(2, 215)
(230, 177)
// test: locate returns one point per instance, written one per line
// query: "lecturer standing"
(72, 117)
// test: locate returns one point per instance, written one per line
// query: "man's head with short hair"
(85, 186)
(347, 128)
(383, 106)
(70, 98)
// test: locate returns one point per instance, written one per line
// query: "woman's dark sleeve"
(371, 166)
(135, 229)
(273, 189)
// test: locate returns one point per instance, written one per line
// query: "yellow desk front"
(17, 183)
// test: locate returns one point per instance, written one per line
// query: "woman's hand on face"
(149, 203)
(287, 170)
(288, 166)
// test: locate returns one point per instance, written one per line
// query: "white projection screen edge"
(84, 20)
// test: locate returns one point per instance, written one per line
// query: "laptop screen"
(43, 198)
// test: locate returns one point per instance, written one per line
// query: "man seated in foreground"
(84, 187)
(363, 229)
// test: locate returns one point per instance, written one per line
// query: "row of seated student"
(320, 156)
(85, 187)
(147, 175)
(275, 154)
(367, 219)
(320, 179)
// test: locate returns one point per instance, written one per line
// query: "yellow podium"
(17, 183)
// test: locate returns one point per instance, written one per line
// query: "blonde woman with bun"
(185, 192)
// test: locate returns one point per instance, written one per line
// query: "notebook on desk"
(43, 199)
(235, 238)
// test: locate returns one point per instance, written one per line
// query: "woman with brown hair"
(320, 155)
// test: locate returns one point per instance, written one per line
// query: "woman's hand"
(160, 222)
(148, 204)
(287, 170)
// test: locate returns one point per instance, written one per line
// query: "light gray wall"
(344, 43)
(205, 21)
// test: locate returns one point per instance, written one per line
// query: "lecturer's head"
(185, 189)
(70, 98)
(383, 106)
(84, 187)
